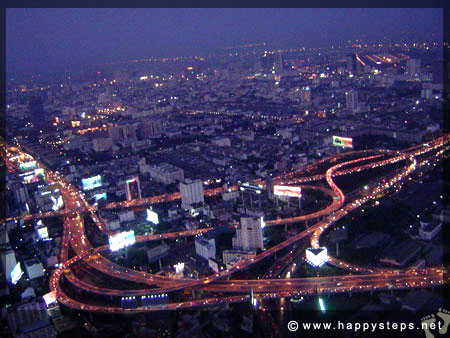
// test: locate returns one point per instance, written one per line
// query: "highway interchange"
(224, 290)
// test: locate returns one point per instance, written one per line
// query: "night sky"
(40, 39)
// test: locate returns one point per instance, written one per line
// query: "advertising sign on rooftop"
(121, 240)
(280, 190)
(49, 298)
(28, 165)
(91, 182)
(317, 256)
(152, 216)
(343, 141)
(16, 273)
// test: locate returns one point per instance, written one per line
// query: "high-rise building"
(30, 319)
(278, 62)
(8, 262)
(351, 98)
(413, 66)
(249, 234)
(122, 132)
(191, 192)
(267, 61)
(21, 193)
(132, 188)
(205, 247)
(356, 65)
(102, 144)
(306, 94)
(8, 257)
(166, 173)
(37, 112)
(150, 129)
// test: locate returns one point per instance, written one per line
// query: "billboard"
(213, 265)
(99, 196)
(28, 165)
(280, 190)
(58, 202)
(37, 175)
(152, 216)
(179, 268)
(42, 233)
(121, 240)
(317, 256)
(49, 298)
(16, 273)
(91, 182)
(343, 141)
(251, 187)
(133, 191)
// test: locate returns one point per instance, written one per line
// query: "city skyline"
(69, 39)
(224, 172)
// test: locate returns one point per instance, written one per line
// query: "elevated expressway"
(74, 235)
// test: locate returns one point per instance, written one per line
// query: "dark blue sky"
(41, 39)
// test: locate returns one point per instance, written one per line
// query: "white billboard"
(281, 190)
(121, 240)
(42, 233)
(91, 182)
(28, 165)
(317, 257)
(179, 268)
(213, 265)
(16, 273)
(49, 298)
(58, 203)
(152, 216)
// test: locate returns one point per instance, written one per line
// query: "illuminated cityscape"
(240, 188)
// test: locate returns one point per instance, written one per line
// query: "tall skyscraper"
(413, 66)
(21, 193)
(191, 192)
(37, 112)
(356, 66)
(267, 61)
(278, 62)
(8, 257)
(306, 94)
(132, 188)
(249, 234)
(351, 98)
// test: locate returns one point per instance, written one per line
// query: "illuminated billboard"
(16, 273)
(49, 298)
(28, 165)
(152, 216)
(343, 141)
(121, 240)
(58, 203)
(280, 190)
(98, 197)
(42, 233)
(91, 182)
(179, 268)
(317, 256)
(31, 177)
(132, 188)
(250, 187)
